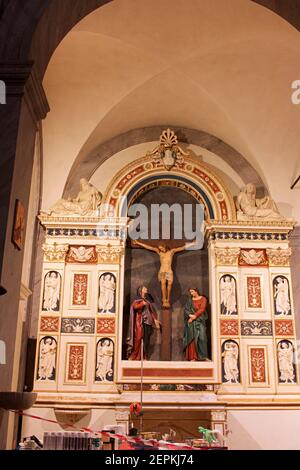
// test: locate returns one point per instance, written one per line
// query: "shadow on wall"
(285, 209)
(240, 437)
(264, 429)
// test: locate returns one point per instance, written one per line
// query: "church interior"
(150, 240)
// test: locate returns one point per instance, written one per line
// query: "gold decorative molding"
(279, 256)
(55, 253)
(192, 171)
(109, 254)
(227, 256)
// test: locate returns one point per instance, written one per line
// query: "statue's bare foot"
(166, 304)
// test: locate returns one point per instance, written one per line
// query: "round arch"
(34, 29)
(194, 177)
(85, 167)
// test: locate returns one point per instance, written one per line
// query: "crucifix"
(165, 277)
(165, 274)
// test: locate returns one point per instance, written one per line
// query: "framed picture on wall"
(19, 225)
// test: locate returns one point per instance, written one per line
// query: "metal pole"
(142, 377)
(295, 182)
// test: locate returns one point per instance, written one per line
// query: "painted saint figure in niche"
(285, 353)
(105, 360)
(282, 296)
(107, 285)
(230, 356)
(47, 359)
(142, 321)
(195, 316)
(51, 291)
(228, 295)
(165, 275)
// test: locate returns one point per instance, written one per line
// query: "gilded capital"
(227, 256)
(279, 256)
(55, 253)
(109, 254)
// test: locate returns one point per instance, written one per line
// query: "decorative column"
(295, 271)
(252, 297)
(122, 418)
(26, 105)
(219, 423)
(81, 322)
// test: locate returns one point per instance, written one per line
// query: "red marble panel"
(76, 363)
(254, 296)
(168, 373)
(284, 328)
(80, 289)
(258, 365)
(106, 326)
(229, 327)
(49, 324)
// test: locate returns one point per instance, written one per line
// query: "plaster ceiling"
(221, 66)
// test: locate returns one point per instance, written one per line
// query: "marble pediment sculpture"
(86, 204)
(251, 208)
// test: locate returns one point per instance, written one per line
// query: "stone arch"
(34, 28)
(194, 177)
(86, 167)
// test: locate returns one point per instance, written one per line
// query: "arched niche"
(190, 268)
(87, 165)
(148, 183)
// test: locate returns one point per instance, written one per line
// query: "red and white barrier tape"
(123, 438)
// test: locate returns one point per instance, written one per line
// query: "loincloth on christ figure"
(165, 276)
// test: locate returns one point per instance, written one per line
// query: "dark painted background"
(190, 270)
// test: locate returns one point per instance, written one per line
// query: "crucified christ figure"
(165, 275)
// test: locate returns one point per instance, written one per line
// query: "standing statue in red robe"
(142, 321)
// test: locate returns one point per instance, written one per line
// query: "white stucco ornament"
(168, 151)
(86, 204)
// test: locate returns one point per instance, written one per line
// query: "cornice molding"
(22, 80)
